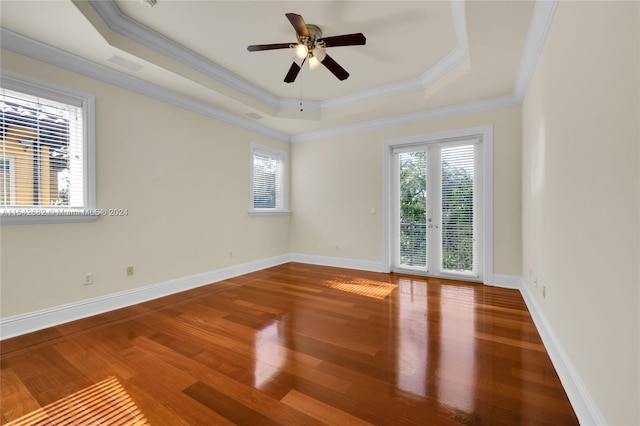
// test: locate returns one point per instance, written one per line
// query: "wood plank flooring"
(300, 344)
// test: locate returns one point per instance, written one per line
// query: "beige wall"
(336, 181)
(184, 179)
(580, 196)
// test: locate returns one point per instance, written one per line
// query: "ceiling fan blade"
(335, 68)
(258, 47)
(298, 23)
(344, 40)
(293, 72)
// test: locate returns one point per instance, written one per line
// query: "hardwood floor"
(302, 344)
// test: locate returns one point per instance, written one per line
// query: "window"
(46, 153)
(437, 207)
(268, 181)
(437, 210)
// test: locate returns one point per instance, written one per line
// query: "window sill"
(269, 212)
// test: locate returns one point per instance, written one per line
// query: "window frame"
(281, 156)
(485, 185)
(435, 246)
(16, 215)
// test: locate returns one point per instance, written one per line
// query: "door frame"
(485, 133)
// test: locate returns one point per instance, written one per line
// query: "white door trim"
(486, 134)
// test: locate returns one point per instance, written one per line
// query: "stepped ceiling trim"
(540, 23)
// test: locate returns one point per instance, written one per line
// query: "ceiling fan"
(311, 45)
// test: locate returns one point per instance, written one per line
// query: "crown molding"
(448, 63)
(444, 66)
(60, 58)
(541, 20)
(26, 46)
(539, 27)
(131, 29)
(371, 95)
(415, 117)
(459, 54)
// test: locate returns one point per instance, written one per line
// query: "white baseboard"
(579, 396)
(338, 262)
(506, 281)
(38, 320)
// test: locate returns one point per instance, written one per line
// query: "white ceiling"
(421, 57)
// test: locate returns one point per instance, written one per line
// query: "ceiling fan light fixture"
(311, 45)
(301, 51)
(313, 62)
(319, 53)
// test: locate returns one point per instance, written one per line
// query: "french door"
(437, 226)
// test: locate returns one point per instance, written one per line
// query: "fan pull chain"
(301, 108)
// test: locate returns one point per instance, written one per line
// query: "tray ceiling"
(420, 56)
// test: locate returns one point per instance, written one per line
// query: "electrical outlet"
(230, 253)
(88, 278)
(129, 271)
(544, 292)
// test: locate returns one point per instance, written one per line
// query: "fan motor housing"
(314, 34)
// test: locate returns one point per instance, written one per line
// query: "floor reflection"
(412, 353)
(270, 354)
(436, 342)
(456, 378)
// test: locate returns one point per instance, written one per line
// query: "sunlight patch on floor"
(105, 403)
(360, 286)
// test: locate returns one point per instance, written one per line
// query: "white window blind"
(268, 180)
(46, 167)
(267, 189)
(457, 177)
